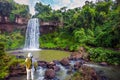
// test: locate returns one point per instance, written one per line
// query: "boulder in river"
(49, 74)
(75, 56)
(77, 65)
(65, 62)
(103, 64)
(42, 64)
(51, 65)
(89, 73)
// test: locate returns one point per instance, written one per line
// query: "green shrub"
(77, 76)
(2, 49)
(13, 40)
(104, 55)
(5, 64)
(12, 17)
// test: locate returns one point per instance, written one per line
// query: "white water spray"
(31, 5)
(32, 35)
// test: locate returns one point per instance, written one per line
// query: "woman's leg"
(28, 74)
(32, 74)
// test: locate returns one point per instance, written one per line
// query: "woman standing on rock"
(31, 65)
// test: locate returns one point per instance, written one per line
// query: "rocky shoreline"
(74, 63)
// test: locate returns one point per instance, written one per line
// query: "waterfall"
(32, 35)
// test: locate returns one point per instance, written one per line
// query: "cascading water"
(32, 35)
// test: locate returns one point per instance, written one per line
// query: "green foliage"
(76, 76)
(88, 14)
(6, 62)
(58, 41)
(20, 10)
(90, 37)
(13, 40)
(103, 6)
(104, 55)
(10, 9)
(2, 49)
(12, 17)
(109, 33)
(46, 41)
(5, 9)
(48, 45)
(102, 41)
(44, 11)
(83, 37)
(3, 60)
(80, 35)
(42, 8)
(93, 25)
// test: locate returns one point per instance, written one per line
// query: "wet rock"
(70, 70)
(65, 62)
(56, 61)
(20, 72)
(83, 53)
(80, 54)
(20, 57)
(88, 73)
(42, 64)
(56, 68)
(75, 56)
(103, 64)
(77, 65)
(104, 78)
(51, 65)
(14, 52)
(49, 74)
(67, 67)
(20, 52)
(13, 74)
(82, 61)
(16, 70)
(7, 77)
(93, 74)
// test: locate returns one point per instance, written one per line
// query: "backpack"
(29, 63)
(35, 65)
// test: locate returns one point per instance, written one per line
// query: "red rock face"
(21, 24)
(11, 27)
(21, 20)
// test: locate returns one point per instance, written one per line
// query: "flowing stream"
(110, 72)
(40, 55)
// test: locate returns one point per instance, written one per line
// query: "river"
(110, 72)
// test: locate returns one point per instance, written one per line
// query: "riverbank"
(71, 67)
